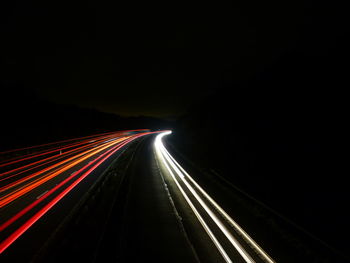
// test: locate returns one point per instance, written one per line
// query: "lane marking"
(44, 193)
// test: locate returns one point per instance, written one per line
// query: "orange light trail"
(57, 174)
(2, 189)
(37, 182)
(56, 157)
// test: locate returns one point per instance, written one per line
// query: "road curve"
(158, 213)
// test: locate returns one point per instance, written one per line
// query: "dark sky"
(150, 58)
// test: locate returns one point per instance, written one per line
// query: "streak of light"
(45, 161)
(167, 160)
(46, 152)
(74, 139)
(48, 144)
(73, 180)
(233, 223)
(6, 199)
(197, 214)
(49, 168)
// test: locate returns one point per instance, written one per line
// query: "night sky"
(152, 58)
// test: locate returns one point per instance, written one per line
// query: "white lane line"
(247, 238)
(44, 193)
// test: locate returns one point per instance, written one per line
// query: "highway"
(156, 213)
(31, 184)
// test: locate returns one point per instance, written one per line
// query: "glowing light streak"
(37, 164)
(6, 199)
(98, 161)
(167, 160)
(197, 214)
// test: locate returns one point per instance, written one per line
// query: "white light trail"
(158, 145)
(167, 160)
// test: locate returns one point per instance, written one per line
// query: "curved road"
(152, 210)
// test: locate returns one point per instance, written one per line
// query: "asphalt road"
(148, 229)
(131, 205)
(152, 217)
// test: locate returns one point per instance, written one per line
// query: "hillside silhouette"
(278, 135)
(29, 120)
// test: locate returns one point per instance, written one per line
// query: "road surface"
(152, 210)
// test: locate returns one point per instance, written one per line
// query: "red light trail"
(53, 172)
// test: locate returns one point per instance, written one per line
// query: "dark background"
(254, 89)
